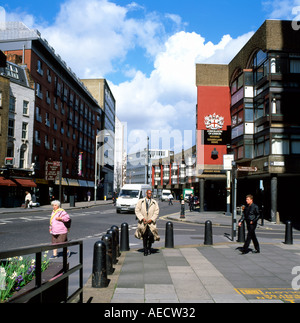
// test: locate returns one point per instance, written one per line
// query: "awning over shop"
(73, 182)
(6, 182)
(63, 182)
(82, 183)
(90, 184)
(25, 182)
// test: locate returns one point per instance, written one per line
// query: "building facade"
(16, 133)
(66, 116)
(264, 85)
(102, 93)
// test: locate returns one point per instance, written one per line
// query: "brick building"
(66, 116)
(263, 83)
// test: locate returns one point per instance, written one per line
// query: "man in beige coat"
(147, 212)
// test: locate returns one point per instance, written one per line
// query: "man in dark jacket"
(251, 215)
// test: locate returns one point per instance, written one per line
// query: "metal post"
(182, 211)
(169, 239)
(241, 232)
(99, 277)
(234, 202)
(107, 239)
(274, 194)
(116, 228)
(114, 247)
(208, 237)
(288, 233)
(201, 197)
(124, 237)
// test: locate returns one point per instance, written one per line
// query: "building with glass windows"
(263, 84)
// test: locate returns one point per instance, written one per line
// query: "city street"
(30, 227)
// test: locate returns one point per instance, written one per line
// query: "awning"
(90, 184)
(73, 182)
(63, 182)
(6, 182)
(25, 182)
(82, 183)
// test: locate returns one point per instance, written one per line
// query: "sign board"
(227, 162)
(246, 169)
(52, 170)
(9, 161)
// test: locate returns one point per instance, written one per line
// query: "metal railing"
(39, 288)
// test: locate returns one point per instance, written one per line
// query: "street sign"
(9, 161)
(246, 169)
(52, 170)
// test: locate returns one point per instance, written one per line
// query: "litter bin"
(72, 200)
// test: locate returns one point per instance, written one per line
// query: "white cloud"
(167, 98)
(95, 37)
(280, 9)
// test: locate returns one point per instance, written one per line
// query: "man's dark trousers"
(251, 236)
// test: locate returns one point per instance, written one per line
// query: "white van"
(129, 196)
(165, 195)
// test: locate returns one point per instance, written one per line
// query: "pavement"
(192, 272)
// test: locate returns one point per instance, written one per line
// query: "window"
(38, 114)
(23, 156)
(280, 146)
(25, 108)
(294, 66)
(12, 104)
(24, 131)
(37, 137)
(38, 91)
(40, 68)
(11, 127)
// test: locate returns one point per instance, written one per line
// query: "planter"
(55, 294)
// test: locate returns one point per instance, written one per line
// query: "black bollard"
(114, 247)
(114, 227)
(107, 239)
(208, 238)
(288, 232)
(241, 232)
(99, 277)
(124, 237)
(169, 239)
(182, 210)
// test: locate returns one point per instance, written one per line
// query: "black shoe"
(145, 252)
(256, 251)
(244, 252)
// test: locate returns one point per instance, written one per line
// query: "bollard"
(124, 237)
(182, 212)
(99, 277)
(241, 232)
(169, 240)
(107, 239)
(114, 247)
(114, 227)
(208, 238)
(288, 233)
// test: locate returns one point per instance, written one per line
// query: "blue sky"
(147, 49)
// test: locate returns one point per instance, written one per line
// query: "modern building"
(175, 172)
(100, 90)
(66, 116)
(16, 134)
(136, 171)
(262, 92)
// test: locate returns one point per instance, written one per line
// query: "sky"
(147, 50)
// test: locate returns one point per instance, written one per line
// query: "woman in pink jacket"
(57, 228)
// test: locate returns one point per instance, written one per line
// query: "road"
(31, 228)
